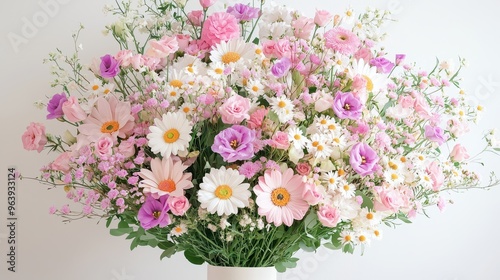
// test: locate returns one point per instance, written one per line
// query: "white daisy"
(283, 107)
(332, 180)
(223, 191)
(319, 146)
(216, 70)
(95, 86)
(347, 190)
(170, 135)
(188, 108)
(295, 135)
(255, 88)
(179, 229)
(235, 51)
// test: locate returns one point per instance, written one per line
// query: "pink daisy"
(109, 118)
(342, 41)
(165, 177)
(279, 197)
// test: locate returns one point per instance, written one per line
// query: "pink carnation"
(163, 47)
(220, 27)
(34, 139)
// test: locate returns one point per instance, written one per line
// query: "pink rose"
(303, 27)
(103, 147)
(280, 140)
(311, 194)
(436, 173)
(322, 18)
(178, 205)
(195, 17)
(363, 53)
(34, 139)
(389, 200)
(124, 57)
(62, 162)
(282, 48)
(183, 41)
(268, 48)
(459, 153)
(163, 47)
(235, 109)
(328, 216)
(127, 148)
(303, 168)
(207, 3)
(219, 27)
(256, 118)
(406, 101)
(422, 107)
(72, 110)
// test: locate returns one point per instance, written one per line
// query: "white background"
(461, 243)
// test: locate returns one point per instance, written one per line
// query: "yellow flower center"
(336, 140)
(167, 185)
(280, 197)
(95, 87)
(178, 229)
(323, 122)
(315, 144)
(341, 172)
(106, 91)
(186, 109)
(176, 83)
(402, 159)
(362, 238)
(230, 57)
(369, 216)
(346, 188)
(332, 127)
(173, 93)
(376, 232)
(171, 135)
(234, 144)
(392, 165)
(296, 137)
(190, 69)
(218, 71)
(320, 148)
(223, 192)
(421, 157)
(282, 104)
(258, 51)
(394, 176)
(255, 88)
(369, 83)
(110, 127)
(347, 238)
(331, 181)
(156, 214)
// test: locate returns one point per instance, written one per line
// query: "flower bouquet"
(240, 136)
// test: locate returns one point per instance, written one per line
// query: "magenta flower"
(400, 58)
(281, 67)
(383, 64)
(243, 12)
(435, 134)
(154, 213)
(109, 66)
(363, 159)
(54, 107)
(235, 143)
(347, 106)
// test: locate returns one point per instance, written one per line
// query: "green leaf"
(168, 252)
(367, 202)
(306, 247)
(403, 218)
(331, 246)
(134, 244)
(255, 41)
(193, 257)
(496, 149)
(273, 116)
(348, 248)
(120, 231)
(108, 221)
(280, 267)
(166, 245)
(123, 224)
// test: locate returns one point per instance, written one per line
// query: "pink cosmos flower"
(342, 41)
(279, 197)
(110, 118)
(235, 109)
(219, 27)
(72, 110)
(34, 138)
(165, 177)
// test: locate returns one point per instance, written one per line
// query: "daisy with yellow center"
(255, 88)
(283, 107)
(216, 70)
(166, 177)
(170, 135)
(179, 230)
(235, 51)
(223, 191)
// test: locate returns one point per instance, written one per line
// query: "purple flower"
(243, 12)
(363, 159)
(383, 64)
(109, 66)
(281, 67)
(154, 212)
(435, 134)
(347, 106)
(55, 106)
(235, 143)
(400, 58)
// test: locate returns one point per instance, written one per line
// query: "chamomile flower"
(346, 237)
(297, 138)
(223, 191)
(95, 86)
(347, 190)
(235, 51)
(170, 135)
(179, 230)
(188, 108)
(331, 179)
(283, 107)
(172, 93)
(108, 88)
(255, 88)
(362, 237)
(319, 147)
(216, 70)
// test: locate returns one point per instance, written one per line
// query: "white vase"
(241, 273)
